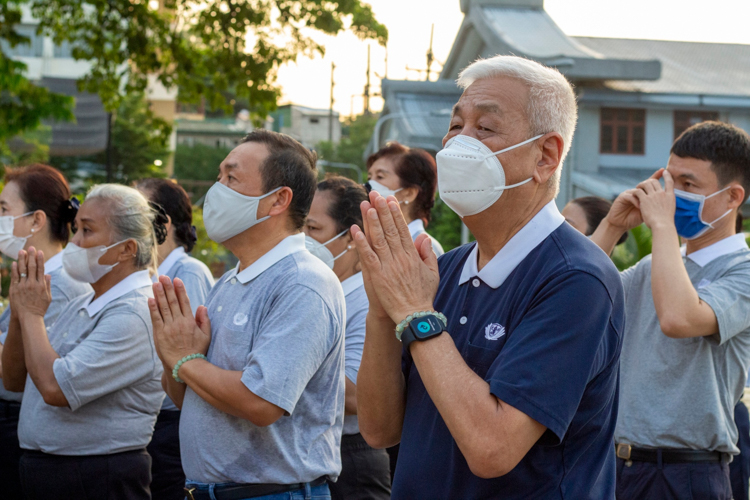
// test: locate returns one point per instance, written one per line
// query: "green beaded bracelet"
(400, 327)
(177, 366)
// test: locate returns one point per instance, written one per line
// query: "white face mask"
(10, 244)
(382, 190)
(320, 250)
(82, 264)
(227, 213)
(470, 176)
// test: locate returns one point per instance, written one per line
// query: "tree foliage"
(23, 105)
(198, 162)
(206, 48)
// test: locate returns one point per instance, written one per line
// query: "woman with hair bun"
(167, 476)
(410, 175)
(93, 378)
(335, 208)
(35, 209)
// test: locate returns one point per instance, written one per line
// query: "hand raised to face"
(401, 277)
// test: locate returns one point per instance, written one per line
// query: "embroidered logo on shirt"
(703, 283)
(240, 319)
(493, 331)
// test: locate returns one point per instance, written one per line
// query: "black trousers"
(365, 472)
(121, 476)
(167, 477)
(692, 481)
(10, 452)
(739, 468)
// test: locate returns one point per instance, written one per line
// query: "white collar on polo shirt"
(53, 263)
(416, 227)
(289, 245)
(723, 247)
(134, 281)
(352, 283)
(170, 261)
(520, 245)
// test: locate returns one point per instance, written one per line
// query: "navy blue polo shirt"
(547, 341)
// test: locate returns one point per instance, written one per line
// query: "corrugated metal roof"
(687, 67)
(534, 33)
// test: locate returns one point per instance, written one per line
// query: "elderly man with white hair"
(501, 379)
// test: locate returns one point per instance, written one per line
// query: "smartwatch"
(422, 328)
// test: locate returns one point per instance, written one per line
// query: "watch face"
(426, 326)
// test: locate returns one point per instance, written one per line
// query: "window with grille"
(683, 120)
(623, 131)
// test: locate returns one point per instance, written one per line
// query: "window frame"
(633, 119)
(704, 115)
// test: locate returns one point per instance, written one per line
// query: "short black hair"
(727, 148)
(170, 196)
(595, 209)
(347, 196)
(289, 164)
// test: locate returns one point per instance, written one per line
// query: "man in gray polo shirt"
(263, 414)
(686, 346)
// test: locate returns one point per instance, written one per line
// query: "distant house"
(52, 66)
(635, 96)
(308, 125)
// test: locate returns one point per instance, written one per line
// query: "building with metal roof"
(635, 96)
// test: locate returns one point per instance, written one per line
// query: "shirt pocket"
(231, 344)
(480, 358)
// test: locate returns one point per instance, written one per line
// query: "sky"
(308, 82)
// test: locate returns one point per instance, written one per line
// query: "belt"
(669, 456)
(241, 491)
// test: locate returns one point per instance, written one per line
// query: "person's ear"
(408, 195)
(129, 251)
(551, 148)
(38, 221)
(278, 202)
(736, 196)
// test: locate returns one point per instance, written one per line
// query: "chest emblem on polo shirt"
(240, 319)
(494, 331)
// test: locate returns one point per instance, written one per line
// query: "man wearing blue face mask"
(686, 348)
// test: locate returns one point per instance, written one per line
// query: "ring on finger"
(23, 275)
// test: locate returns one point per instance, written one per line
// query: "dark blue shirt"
(547, 341)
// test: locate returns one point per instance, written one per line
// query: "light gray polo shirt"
(63, 289)
(281, 323)
(681, 393)
(356, 318)
(198, 282)
(108, 371)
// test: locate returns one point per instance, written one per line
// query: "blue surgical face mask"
(688, 216)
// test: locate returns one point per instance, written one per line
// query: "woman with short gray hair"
(93, 377)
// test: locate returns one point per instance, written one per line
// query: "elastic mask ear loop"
(703, 204)
(260, 198)
(25, 238)
(105, 251)
(514, 147)
(348, 247)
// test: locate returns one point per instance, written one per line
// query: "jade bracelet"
(176, 369)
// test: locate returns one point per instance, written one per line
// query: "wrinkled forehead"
(246, 159)
(500, 96)
(95, 211)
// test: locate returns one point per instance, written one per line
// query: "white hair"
(130, 217)
(552, 102)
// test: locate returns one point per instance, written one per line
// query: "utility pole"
(330, 110)
(430, 53)
(367, 85)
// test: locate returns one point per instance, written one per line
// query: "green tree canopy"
(206, 48)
